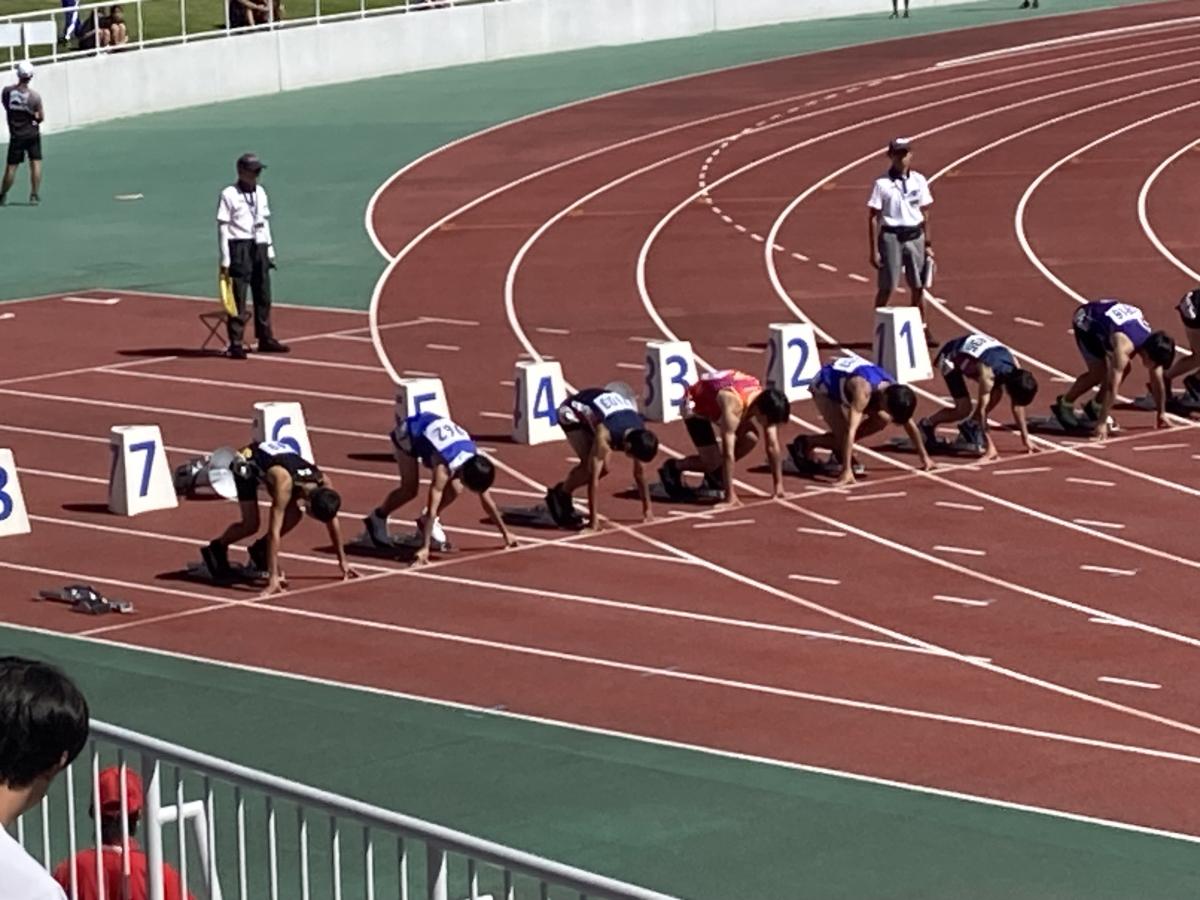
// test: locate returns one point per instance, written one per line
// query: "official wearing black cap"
(248, 254)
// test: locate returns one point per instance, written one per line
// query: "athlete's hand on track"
(1161, 422)
(510, 543)
(1100, 432)
(348, 573)
(421, 558)
(274, 586)
(1031, 449)
(847, 478)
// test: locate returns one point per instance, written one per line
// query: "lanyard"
(251, 201)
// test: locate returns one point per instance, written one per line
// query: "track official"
(898, 227)
(248, 254)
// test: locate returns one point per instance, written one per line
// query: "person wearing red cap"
(112, 839)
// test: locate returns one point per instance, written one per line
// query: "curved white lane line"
(1144, 217)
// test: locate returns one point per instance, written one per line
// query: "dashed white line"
(1108, 570)
(758, 237)
(1023, 321)
(508, 383)
(634, 367)
(854, 276)
(739, 228)
(887, 496)
(827, 267)
(949, 504)
(822, 532)
(1028, 471)
(965, 551)
(800, 256)
(978, 310)
(728, 220)
(724, 524)
(1095, 482)
(1129, 682)
(553, 330)
(753, 350)
(449, 347)
(496, 415)
(778, 248)
(1152, 447)
(962, 601)
(815, 579)
(1096, 523)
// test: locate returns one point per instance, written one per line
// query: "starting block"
(670, 371)
(698, 495)
(284, 423)
(139, 479)
(900, 344)
(537, 516)
(1051, 425)
(418, 395)
(400, 542)
(538, 390)
(957, 447)
(83, 598)
(242, 573)
(792, 359)
(14, 519)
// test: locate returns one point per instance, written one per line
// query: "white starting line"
(978, 310)
(1129, 682)
(728, 524)
(822, 532)
(949, 504)
(888, 496)
(965, 551)
(1152, 447)
(1029, 471)
(815, 579)
(1094, 482)
(962, 601)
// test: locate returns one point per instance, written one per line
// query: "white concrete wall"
(85, 91)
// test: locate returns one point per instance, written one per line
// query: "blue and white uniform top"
(832, 377)
(966, 354)
(597, 406)
(1104, 318)
(427, 435)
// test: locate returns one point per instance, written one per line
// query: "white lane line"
(486, 414)
(756, 351)
(854, 276)
(638, 339)
(1152, 447)
(8, 315)
(1028, 471)
(1129, 682)
(738, 227)
(1023, 321)
(827, 267)
(1096, 523)
(320, 363)
(757, 237)
(949, 504)
(635, 367)
(965, 551)
(978, 310)
(815, 579)
(727, 524)
(962, 601)
(800, 256)
(1107, 570)
(553, 330)
(450, 347)
(348, 337)
(1106, 620)
(439, 320)
(509, 383)
(822, 532)
(96, 301)
(888, 496)
(420, 373)
(1095, 482)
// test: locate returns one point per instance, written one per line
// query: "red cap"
(110, 791)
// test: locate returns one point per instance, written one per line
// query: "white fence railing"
(46, 32)
(248, 834)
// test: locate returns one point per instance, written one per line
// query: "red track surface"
(863, 671)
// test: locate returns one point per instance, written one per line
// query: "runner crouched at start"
(289, 479)
(448, 452)
(598, 421)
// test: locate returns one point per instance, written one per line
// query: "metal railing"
(220, 828)
(172, 18)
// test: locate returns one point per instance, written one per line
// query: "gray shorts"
(896, 255)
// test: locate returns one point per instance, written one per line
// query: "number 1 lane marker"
(1129, 682)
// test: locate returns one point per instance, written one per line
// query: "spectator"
(112, 839)
(106, 30)
(118, 34)
(92, 34)
(43, 727)
(71, 23)
(247, 14)
(25, 113)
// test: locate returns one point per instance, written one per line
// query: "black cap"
(249, 162)
(900, 145)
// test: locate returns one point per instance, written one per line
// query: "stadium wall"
(213, 70)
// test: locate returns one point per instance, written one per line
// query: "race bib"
(443, 433)
(849, 363)
(978, 344)
(1121, 313)
(611, 402)
(275, 448)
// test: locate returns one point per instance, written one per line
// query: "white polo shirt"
(243, 216)
(21, 877)
(899, 199)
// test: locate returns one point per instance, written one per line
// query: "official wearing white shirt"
(898, 227)
(248, 254)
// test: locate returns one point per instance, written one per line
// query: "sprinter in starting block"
(598, 421)
(1186, 366)
(448, 451)
(1109, 334)
(289, 479)
(988, 363)
(727, 409)
(856, 398)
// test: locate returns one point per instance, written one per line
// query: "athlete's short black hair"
(324, 503)
(642, 444)
(478, 473)
(774, 406)
(1022, 387)
(1160, 349)
(43, 716)
(900, 402)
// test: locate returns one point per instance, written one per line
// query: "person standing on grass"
(43, 726)
(23, 108)
(248, 255)
(896, 8)
(898, 228)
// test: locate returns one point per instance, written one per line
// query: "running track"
(960, 630)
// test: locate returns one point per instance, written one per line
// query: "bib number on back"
(978, 344)
(611, 402)
(1122, 313)
(444, 433)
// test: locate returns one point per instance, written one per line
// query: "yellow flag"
(225, 292)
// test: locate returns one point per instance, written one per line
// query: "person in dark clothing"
(24, 111)
(248, 254)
